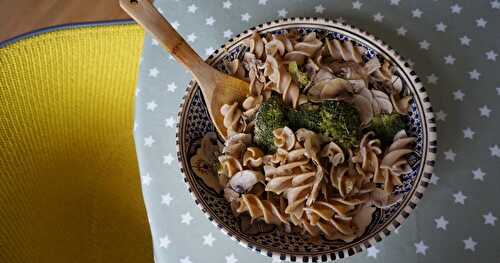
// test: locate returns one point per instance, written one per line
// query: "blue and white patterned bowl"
(194, 122)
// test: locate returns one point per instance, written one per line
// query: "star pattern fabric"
(452, 47)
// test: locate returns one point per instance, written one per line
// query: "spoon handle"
(146, 14)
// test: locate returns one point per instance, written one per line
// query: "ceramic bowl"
(194, 122)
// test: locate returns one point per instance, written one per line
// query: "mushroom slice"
(244, 180)
(330, 89)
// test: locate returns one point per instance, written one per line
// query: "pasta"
(319, 143)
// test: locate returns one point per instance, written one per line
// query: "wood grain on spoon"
(217, 88)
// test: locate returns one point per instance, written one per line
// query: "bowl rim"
(429, 147)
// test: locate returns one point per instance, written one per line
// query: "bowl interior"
(195, 122)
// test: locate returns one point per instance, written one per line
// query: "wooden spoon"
(217, 88)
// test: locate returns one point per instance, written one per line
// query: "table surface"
(21, 16)
(453, 46)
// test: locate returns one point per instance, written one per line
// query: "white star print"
(401, 31)
(495, 151)
(458, 95)
(356, 5)
(478, 174)
(191, 37)
(262, 2)
(434, 179)
(151, 106)
(171, 87)
(209, 51)
(185, 260)
(449, 60)
(450, 155)
(167, 159)
(228, 33)
(421, 248)
(192, 8)
(246, 17)
(489, 219)
(164, 241)
(149, 141)
(227, 4)
(135, 126)
(485, 111)
(474, 74)
(231, 259)
(468, 133)
(166, 199)
(441, 27)
(465, 40)
(146, 179)
(282, 13)
(481, 22)
(372, 252)
(495, 4)
(378, 17)
(169, 122)
(208, 240)
(459, 197)
(153, 72)
(491, 55)
(441, 223)
(441, 115)
(456, 9)
(175, 24)
(416, 13)
(470, 244)
(154, 42)
(137, 91)
(424, 44)
(186, 218)
(319, 9)
(498, 91)
(395, 2)
(432, 79)
(210, 21)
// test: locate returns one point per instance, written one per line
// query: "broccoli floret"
(338, 120)
(341, 122)
(270, 116)
(305, 116)
(386, 126)
(298, 75)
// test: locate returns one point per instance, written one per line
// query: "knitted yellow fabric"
(69, 182)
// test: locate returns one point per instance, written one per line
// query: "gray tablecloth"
(453, 45)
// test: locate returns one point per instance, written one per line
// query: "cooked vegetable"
(341, 122)
(337, 120)
(386, 126)
(299, 76)
(305, 116)
(271, 116)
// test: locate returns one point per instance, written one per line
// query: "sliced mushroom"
(330, 90)
(362, 219)
(244, 180)
(230, 195)
(383, 199)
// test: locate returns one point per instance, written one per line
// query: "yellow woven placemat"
(69, 184)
